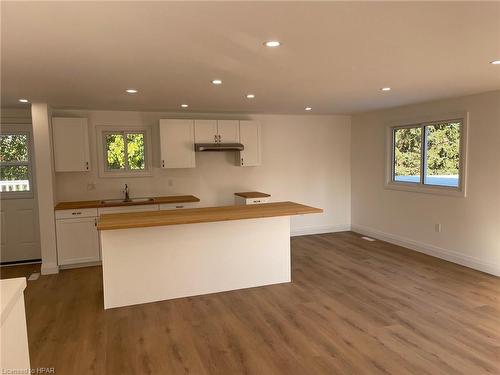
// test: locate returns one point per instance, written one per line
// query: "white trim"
(318, 229)
(420, 187)
(49, 268)
(435, 251)
(100, 130)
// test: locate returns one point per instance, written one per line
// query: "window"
(125, 152)
(428, 156)
(15, 164)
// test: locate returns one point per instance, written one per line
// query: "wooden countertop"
(252, 194)
(98, 204)
(202, 215)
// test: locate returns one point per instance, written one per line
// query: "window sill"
(106, 174)
(425, 189)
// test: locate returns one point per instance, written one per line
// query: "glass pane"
(14, 178)
(14, 147)
(135, 150)
(115, 150)
(407, 154)
(443, 154)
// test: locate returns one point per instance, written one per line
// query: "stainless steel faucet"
(127, 198)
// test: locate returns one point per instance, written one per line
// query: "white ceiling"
(335, 56)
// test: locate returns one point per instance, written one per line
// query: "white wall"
(470, 225)
(305, 158)
(42, 140)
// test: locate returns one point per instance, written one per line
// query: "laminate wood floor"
(354, 307)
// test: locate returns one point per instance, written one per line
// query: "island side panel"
(143, 265)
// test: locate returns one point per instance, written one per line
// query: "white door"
(20, 231)
(250, 138)
(177, 144)
(77, 241)
(205, 131)
(228, 131)
(71, 144)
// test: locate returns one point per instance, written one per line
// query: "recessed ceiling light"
(385, 89)
(250, 96)
(308, 108)
(184, 105)
(24, 100)
(495, 62)
(272, 43)
(131, 91)
(216, 81)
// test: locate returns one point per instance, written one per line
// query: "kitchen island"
(159, 255)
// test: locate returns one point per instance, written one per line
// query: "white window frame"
(15, 130)
(104, 171)
(420, 187)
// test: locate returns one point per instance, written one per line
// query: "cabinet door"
(177, 143)
(71, 144)
(205, 131)
(229, 131)
(250, 138)
(77, 241)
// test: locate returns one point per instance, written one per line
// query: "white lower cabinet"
(174, 206)
(77, 240)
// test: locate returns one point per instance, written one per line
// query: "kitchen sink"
(132, 200)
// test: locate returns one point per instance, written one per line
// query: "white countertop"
(10, 291)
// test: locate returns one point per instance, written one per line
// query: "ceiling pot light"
(385, 89)
(308, 109)
(24, 100)
(131, 91)
(216, 81)
(184, 105)
(495, 62)
(250, 96)
(272, 43)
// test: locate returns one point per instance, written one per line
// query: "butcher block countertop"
(252, 194)
(118, 203)
(202, 215)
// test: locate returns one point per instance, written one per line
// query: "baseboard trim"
(79, 265)
(318, 229)
(49, 268)
(435, 251)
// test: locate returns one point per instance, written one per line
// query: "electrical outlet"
(437, 228)
(170, 182)
(91, 186)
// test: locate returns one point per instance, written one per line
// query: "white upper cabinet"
(228, 131)
(177, 143)
(250, 138)
(71, 144)
(205, 131)
(216, 131)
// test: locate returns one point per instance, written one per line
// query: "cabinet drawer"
(257, 200)
(71, 214)
(122, 209)
(174, 206)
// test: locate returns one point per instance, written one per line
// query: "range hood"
(202, 147)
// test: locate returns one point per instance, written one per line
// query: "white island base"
(149, 264)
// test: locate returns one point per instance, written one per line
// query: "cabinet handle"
(76, 213)
(87, 165)
(179, 206)
(163, 163)
(241, 161)
(215, 138)
(95, 222)
(219, 138)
